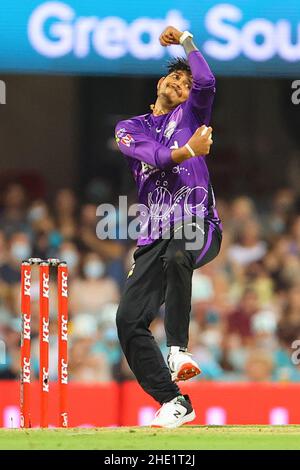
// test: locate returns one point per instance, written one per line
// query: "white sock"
(177, 349)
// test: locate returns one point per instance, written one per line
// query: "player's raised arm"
(133, 142)
(203, 88)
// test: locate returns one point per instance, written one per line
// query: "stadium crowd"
(245, 304)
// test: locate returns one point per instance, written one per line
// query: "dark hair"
(177, 64)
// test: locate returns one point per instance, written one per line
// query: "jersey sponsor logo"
(64, 328)
(26, 290)
(26, 370)
(64, 372)
(26, 327)
(64, 284)
(45, 380)
(45, 330)
(45, 285)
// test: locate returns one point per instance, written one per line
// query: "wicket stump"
(62, 363)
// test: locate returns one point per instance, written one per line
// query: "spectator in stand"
(70, 254)
(275, 259)
(239, 321)
(13, 213)
(200, 347)
(287, 356)
(93, 290)
(283, 207)
(295, 237)
(86, 366)
(10, 363)
(249, 247)
(19, 249)
(108, 346)
(264, 326)
(290, 271)
(259, 366)
(65, 213)
(37, 212)
(241, 210)
(111, 251)
(259, 280)
(86, 363)
(290, 319)
(3, 249)
(108, 249)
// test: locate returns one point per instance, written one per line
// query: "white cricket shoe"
(174, 413)
(181, 365)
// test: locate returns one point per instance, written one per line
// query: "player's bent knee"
(126, 326)
(175, 258)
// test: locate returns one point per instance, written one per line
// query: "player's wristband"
(184, 36)
(190, 150)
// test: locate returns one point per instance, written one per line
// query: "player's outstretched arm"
(202, 74)
(203, 90)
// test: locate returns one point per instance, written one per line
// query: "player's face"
(175, 88)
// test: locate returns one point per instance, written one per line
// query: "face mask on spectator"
(20, 251)
(94, 269)
(36, 213)
(70, 257)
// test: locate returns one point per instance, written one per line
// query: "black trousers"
(162, 273)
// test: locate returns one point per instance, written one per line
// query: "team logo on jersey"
(127, 140)
(123, 137)
(169, 131)
(120, 133)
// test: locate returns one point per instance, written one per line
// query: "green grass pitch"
(187, 437)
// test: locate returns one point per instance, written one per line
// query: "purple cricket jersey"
(169, 192)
